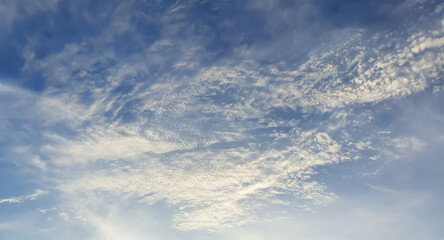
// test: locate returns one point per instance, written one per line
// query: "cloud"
(218, 141)
(20, 199)
(211, 189)
(216, 144)
(381, 188)
(349, 218)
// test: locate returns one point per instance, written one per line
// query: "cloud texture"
(178, 112)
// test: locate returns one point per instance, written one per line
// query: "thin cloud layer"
(210, 124)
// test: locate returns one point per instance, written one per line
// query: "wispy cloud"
(20, 199)
(381, 188)
(208, 143)
(217, 139)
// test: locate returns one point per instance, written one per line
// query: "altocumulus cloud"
(180, 116)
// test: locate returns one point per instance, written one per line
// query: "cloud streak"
(20, 199)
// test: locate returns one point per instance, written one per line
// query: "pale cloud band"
(20, 199)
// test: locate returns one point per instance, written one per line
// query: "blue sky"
(221, 119)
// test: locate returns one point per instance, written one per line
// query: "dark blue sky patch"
(357, 12)
(122, 89)
(129, 112)
(51, 31)
(129, 42)
(11, 61)
(34, 81)
(285, 114)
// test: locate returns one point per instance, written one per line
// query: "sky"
(195, 119)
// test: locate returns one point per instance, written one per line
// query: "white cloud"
(218, 189)
(106, 144)
(404, 144)
(374, 74)
(170, 156)
(204, 143)
(20, 199)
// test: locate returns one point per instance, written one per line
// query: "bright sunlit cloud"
(221, 120)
